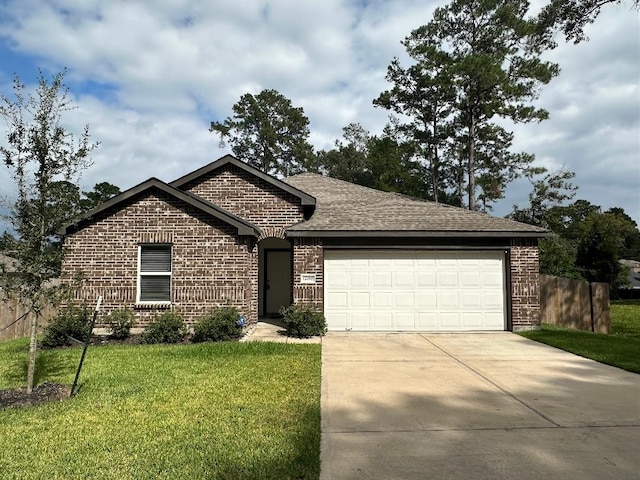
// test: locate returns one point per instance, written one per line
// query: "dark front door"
(277, 280)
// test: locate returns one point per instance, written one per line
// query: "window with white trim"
(154, 273)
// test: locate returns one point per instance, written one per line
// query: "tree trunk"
(33, 345)
(471, 165)
(434, 165)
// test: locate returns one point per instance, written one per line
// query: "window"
(154, 273)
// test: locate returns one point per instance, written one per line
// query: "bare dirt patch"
(46, 392)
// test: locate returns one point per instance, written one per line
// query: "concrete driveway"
(473, 406)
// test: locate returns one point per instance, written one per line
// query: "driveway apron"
(473, 406)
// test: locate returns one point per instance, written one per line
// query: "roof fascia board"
(411, 234)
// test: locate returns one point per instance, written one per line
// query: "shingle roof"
(343, 208)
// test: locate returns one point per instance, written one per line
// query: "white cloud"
(172, 66)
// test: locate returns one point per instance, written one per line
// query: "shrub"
(303, 321)
(71, 322)
(222, 324)
(120, 323)
(168, 327)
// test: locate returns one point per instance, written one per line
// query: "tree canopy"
(476, 61)
(268, 133)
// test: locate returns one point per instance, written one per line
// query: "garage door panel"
(414, 290)
(360, 321)
(382, 279)
(382, 320)
(382, 299)
(404, 279)
(426, 300)
(358, 279)
(405, 321)
(360, 300)
(471, 320)
(447, 279)
(425, 278)
(405, 300)
(337, 300)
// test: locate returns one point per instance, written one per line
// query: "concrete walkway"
(274, 331)
(473, 406)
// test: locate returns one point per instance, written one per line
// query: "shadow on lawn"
(50, 365)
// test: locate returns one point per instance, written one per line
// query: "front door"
(277, 280)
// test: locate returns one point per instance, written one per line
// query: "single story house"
(228, 233)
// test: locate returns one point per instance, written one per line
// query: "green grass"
(621, 348)
(226, 410)
(625, 318)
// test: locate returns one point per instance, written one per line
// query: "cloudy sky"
(150, 76)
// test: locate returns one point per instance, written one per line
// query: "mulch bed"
(46, 392)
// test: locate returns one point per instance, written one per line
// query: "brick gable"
(248, 197)
(211, 264)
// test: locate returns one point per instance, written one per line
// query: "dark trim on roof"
(412, 234)
(244, 227)
(305, 198)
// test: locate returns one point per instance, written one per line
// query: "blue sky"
(150, 76)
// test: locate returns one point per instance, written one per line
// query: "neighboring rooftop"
(345, 207)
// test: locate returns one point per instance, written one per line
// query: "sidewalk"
(273, 331)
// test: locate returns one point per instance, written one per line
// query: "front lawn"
(621, 348)
(226, 410)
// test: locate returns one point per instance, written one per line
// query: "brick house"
(230, 234)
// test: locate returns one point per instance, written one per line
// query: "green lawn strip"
(625, 318)
(227, 410)
(619, 351)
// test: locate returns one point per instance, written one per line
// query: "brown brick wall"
(308, 258)
(211, 265)
(525, 285)
(248, 197)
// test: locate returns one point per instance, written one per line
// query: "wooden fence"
(13, 321)
(575, 304)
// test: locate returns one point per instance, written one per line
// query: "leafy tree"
(44, 161)
(393, 167)
(598, 252)
(552, 190)
(477, 61)
(7, 243)
(425, 94)
(572, 16)
(630, 248)
(558, 257)
(268, 133)
(101, 192)
(348, 160)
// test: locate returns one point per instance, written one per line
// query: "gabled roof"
(345, 209)
(305, 198)
(244, 227)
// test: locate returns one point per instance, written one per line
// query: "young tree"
(45, 161)
(268, 133)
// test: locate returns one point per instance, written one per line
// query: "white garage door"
(385, 290)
